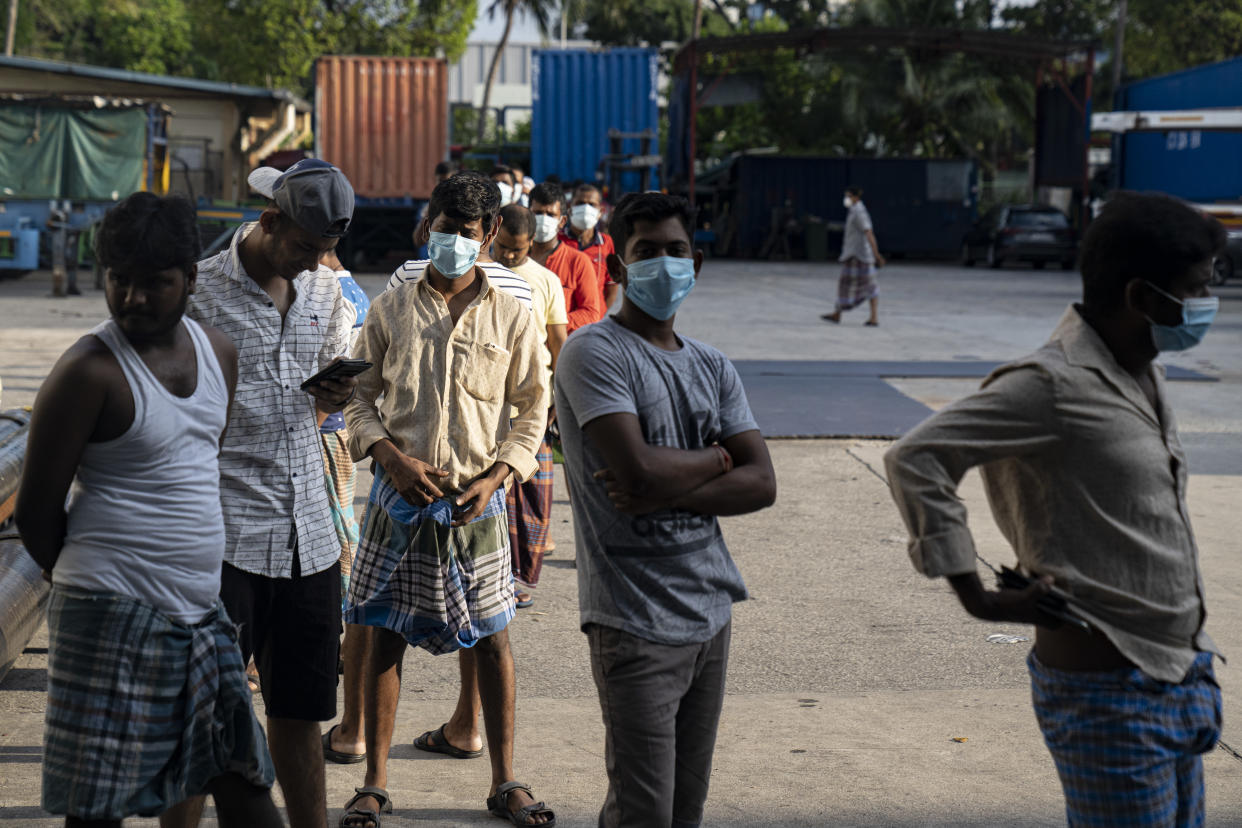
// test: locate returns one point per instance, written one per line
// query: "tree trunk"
(11, 32)
(510, 11)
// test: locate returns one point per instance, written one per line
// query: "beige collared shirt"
(441, 392)
(1087, 481)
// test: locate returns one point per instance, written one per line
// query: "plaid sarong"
(529, 506)
(857, 284)
(441, 587)
(341, 478)
(1127, 746)
(142, 712)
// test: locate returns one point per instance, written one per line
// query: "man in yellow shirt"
(530, 504)
(453, 357)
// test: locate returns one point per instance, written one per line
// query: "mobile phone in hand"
(340, 368)
(1050, 604)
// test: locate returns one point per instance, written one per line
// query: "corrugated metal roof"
(980, 42)
(202, 87)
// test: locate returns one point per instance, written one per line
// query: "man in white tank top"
(136, 411)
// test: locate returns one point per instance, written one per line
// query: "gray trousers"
(661, 706)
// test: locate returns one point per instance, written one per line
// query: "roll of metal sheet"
(23, 600)
(14, 425)
(23, 592)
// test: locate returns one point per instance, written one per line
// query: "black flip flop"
(339, 756)
(498, 805)
(442, 745)
(359, 817)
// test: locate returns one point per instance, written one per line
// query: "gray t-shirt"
(855, 244)
(665, 576)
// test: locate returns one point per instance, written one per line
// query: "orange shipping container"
(383, 121)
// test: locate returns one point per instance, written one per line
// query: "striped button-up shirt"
(271, 470)
(501, 278)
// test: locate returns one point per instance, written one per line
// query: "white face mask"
(849, 202)
(584, 216)
(506, 193)
(545, 228)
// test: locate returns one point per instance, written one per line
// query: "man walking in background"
(860, 256)
(529, 504)
(659, 441)
(583, 304)
(281, 582)
(584, 235)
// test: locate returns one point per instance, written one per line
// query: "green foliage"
(272, 43)
(1164, 37)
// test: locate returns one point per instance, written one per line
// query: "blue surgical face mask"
(453, 255)
(658, 286)
(1197, 316)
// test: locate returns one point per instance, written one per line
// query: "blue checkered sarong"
(142, 712)
(442, 587)
(1127, 746)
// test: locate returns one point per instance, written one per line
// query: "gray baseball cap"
(315, 194)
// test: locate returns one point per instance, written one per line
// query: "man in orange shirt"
(582, 234)
(583, 300)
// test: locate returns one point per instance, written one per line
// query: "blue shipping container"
(1190, 164)
(577, 96)
(918, 207)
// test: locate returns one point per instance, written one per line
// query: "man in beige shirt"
(530, 504)
(1087, 480)
(453, 357)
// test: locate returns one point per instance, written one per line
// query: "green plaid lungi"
(142, 712)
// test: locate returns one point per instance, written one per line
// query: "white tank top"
(145, 519)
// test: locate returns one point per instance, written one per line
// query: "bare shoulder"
(88, 364)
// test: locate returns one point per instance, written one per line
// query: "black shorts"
(292, 628)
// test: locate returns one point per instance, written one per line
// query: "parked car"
(1227, 264)
(1028, 233)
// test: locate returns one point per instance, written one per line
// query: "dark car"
(1228, 265)
(1026, 233)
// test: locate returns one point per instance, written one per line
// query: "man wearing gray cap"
(281, 581)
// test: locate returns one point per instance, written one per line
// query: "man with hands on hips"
(1086, 477)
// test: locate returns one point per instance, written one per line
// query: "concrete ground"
(859, 692)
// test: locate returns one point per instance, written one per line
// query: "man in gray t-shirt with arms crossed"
(659, 440)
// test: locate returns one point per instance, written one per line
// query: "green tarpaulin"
(80, 154)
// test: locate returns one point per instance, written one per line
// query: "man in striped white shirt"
(500, 277)
(281, 582)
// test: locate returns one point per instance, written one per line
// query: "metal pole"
(694, 92)
(1119, 44)
(11, 33)
(1086, 138)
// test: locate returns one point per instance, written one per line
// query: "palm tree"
(541, 11)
